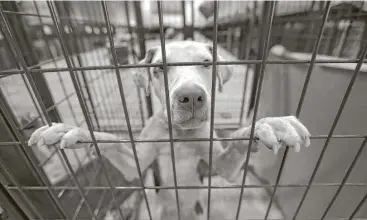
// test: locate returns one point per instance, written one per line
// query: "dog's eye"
(207, 65)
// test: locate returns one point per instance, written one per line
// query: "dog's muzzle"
(190, 97)
(190, 107)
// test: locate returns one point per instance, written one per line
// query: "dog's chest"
(186, 161)
(182, 149)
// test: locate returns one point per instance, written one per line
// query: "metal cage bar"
(168, 105)
(315, 137)
(54, 61)
(22, 75)
(64, 7)
(9, 208)
(109, 112)
(243, 219)
(247, 47)
(142, 48)
(83, 201)
(38, 173)
(27, 200)
(86, 83)
(193, 19)
(270, 16)
(49, 16)
(63, 90)
(34, 89)
(123, 100)
(345, 178)
(340, 110)
(85, 112)
(128, 66)
(75, 82)
(29, 55)
(89, 69)
(313, 58)
(212, 104)
(301, 100)
(237, 186)
(41, 82)
(356, 210)
(53, 107)
(107, 80)
(335, 122)
(135, 57)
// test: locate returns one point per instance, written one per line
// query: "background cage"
(42, 45)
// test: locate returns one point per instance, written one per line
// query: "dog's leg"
(120, 155)
(273, 132)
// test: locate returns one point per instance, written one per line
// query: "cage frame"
(28, 71)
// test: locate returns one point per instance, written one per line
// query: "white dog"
(190, 95)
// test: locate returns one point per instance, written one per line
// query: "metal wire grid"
(95, 101)
(295, 26)
(67, 96)
(72, 68)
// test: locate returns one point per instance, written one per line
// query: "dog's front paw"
(63, 135)
(277, 132)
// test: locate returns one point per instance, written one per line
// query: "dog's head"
(189, 86)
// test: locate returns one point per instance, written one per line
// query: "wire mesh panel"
(85, 36)
(72, 61)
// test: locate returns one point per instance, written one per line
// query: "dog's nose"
(191, 96)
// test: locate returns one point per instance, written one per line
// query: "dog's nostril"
(200, 99)
(184, 99)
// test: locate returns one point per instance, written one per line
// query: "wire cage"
(69, 61)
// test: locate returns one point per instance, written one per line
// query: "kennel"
(68, 61)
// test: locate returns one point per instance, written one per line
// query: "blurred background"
(36, 42)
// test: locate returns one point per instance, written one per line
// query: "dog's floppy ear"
(142, 75)
(224, 72)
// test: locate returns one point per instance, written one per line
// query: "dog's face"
(189, 86)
